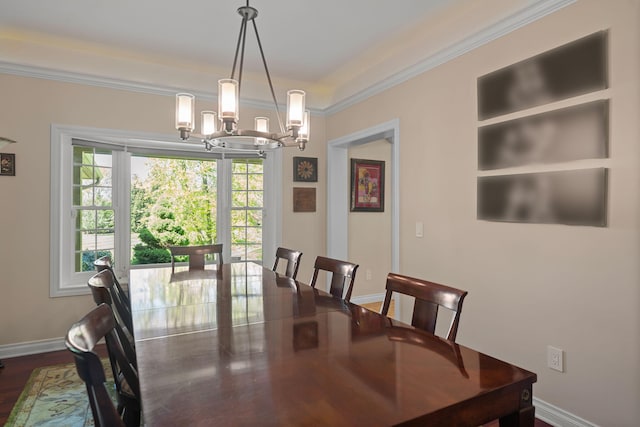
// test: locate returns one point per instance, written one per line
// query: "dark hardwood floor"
(17, 370)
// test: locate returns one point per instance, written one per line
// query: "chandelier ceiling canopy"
(220, 130)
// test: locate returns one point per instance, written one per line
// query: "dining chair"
(196, 255)
(104, 291)
(342, 272)
(104, 263)
(81, 340)
(428, 298)
(293, 261)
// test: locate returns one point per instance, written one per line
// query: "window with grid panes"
(93, 208)
(93, 212)
(247, 193)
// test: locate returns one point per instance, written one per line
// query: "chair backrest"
(81, 341)
(196, 255)
(293, 261)
(429, 297)
(104, 263)
(104, 291)
(342, 272)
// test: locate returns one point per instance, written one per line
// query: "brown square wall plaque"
(304, 199)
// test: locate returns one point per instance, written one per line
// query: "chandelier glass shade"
(220, 130)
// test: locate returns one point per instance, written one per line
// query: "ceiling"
(303, 39)
(323, 44)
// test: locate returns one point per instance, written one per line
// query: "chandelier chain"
(244, 39)
(266, 70)
(235, 59)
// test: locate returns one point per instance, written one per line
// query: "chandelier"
(221, 130)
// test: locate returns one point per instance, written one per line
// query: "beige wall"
(529, 286)
(370, 232)
(29, 106)
(306, 231)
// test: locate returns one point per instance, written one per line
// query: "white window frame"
(64, 281)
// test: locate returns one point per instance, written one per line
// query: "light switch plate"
(419, 229)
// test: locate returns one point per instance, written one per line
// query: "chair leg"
(1, 364)
(131, 417)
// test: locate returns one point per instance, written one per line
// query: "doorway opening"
(338, 195)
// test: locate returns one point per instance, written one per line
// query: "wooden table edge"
(512, 405)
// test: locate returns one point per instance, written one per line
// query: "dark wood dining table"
(240, 345)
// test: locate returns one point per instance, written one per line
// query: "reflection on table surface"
(244, 346)
(185, 301)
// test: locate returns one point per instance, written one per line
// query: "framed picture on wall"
(7, 164)
(305, 169)
(563, 135)
(572, 197)
(367, 185)
(570, 70)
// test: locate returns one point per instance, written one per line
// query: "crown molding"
(121, 84)
(86, 79)
(505, 26)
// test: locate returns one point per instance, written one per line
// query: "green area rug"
(55, 396)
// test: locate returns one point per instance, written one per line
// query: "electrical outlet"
(367, 274)
(555, 358)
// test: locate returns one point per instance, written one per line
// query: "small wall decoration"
(569, 70)
(367, 185)
(304, 199)
(574, 133)
(305, 169)
(574, 197)
(7, 164)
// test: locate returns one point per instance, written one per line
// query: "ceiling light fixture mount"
(221, 130)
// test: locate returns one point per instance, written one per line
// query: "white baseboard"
(558, 417)
(31, 347)
(368, 299)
